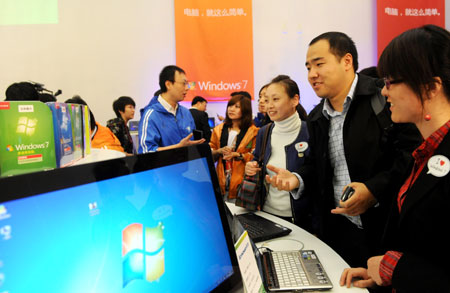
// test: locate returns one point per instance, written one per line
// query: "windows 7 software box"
(62, 127)
(26, 141)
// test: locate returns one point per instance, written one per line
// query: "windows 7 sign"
(142, 253)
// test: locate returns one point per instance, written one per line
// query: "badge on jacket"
(301, 147)
(438, 166)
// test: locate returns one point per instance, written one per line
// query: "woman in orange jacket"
(232, 143)
(103, 138)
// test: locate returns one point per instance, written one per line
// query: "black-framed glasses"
(185, 83)
(388, 82)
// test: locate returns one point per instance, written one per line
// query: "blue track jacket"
(159, 128)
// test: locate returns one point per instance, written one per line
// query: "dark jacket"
(201, 123)
(260, 120)
(376, 157)
(120, 129)
(420, 232)
(300, 208)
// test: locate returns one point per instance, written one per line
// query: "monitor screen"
(211, 122)
(133, 125)
(149, 223)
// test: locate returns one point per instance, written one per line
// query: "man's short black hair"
(198, 99)
(121, 103)
(340, 44)
(22, 91)
(157, 93)
(168, 74)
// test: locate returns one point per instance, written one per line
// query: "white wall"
(103, 49)
(100, 50)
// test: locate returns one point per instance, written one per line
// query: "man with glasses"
(164, 124)
(348, 148)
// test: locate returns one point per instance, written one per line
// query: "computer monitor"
(133, 125)
(211, 122)
(149, 223)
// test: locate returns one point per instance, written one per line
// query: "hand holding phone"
(198, 134)
(348, 192)
(220, 117)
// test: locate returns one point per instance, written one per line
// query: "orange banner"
(395, 17)
(214, 45)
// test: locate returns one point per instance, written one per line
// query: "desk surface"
(100, 155)
(301, 239)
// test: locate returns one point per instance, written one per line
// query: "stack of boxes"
(35, 136)
(76, 118)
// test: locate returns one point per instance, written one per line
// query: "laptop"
(299, 270)
(261, 229)
(147, 223)
(294, 270)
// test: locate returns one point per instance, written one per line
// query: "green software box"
(27, 142)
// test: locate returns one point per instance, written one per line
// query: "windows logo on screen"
(142, 253)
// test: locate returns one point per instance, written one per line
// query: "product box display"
(86, 130)
(27, 141)
(62, 127)
(76, 117)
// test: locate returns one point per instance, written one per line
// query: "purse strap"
(264, 144)
(260, 163)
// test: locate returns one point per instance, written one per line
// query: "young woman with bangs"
(232, 143)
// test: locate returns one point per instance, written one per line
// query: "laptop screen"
(148, 223)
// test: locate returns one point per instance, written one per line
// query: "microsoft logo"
(26, 126)
(142, 253)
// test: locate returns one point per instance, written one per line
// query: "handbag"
(249, 193)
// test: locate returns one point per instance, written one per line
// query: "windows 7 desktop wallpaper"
(153, 231)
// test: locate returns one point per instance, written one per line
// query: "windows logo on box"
(26, 126)
(142, 253)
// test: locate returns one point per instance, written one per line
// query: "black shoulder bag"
(249, 193)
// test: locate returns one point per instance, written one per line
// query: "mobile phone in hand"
(198, 134)
(348, 192)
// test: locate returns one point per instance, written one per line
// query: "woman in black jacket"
(416, 67)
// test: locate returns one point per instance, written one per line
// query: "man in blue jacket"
(164, 124)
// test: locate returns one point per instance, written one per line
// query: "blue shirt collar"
(328, 110)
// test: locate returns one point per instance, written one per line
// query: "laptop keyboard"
(253, 230)
(287, 270)
(260, 228)
(290, 268)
